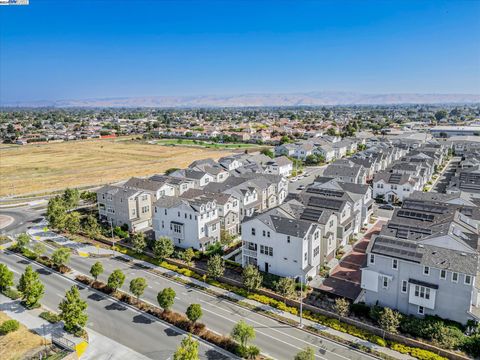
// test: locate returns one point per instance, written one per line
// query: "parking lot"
(312, 172)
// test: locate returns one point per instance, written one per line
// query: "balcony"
(249, 253)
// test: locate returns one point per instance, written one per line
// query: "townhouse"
(122, 206)
(346, 170)
(189, 222)
(281, 165)
(290, 240)
(179, 185)
(394, 188)
(424, 261)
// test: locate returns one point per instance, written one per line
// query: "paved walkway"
(267, 308)
(345, 278)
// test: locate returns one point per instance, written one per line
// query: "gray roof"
(144, 184)
(343, 170)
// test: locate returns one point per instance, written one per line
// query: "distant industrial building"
(448, 131)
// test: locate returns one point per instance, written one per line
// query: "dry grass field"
(16, 345)
(36, 169)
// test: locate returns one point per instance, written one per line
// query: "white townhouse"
(155, 188)
(394, 187)
(190, 223)
(200, 178)
(281, 243)
(281, 165)
(180, 185)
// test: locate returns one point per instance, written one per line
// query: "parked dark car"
(387, 207)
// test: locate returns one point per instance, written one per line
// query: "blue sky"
(73, 49)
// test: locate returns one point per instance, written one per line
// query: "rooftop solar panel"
(325, 192)
(325, 203)
(415, 215)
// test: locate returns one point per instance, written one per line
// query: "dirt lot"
(35, 169)
(17, 344)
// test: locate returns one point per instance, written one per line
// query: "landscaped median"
(172, 317)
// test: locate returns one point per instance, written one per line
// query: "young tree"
(138, 286)
(268, 152)
(116, 280)
(96, 270)
(72, 310)
(91, 227)
(39, 248)
(72, 222)
(215, 266)
(225, 237)
(194, 312)
(163, 248)
(31, 288)
(188, 349)
(252, 279)
(341, 307)
(71, 197)
(61, 256)
(285, 287)
(138, 242)
(390, 320)
(56, 212)
(251, 352)
(306, 354)
(6, 277)
(166, 298)
(243, 333)
(23, 240)
(188, 255)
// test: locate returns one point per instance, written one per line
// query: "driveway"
(346, 277)
(313, 172)
(442, 183)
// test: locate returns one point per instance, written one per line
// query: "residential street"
(275, 339)
(128, 327)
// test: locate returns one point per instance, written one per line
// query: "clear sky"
(74, 49)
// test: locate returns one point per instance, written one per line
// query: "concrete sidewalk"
(98, 346)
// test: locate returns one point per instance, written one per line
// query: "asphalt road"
(313, 172)
(110, 318)
(23, 218)
(446, 175)
(275, 339)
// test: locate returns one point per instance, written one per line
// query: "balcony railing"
(250, 253)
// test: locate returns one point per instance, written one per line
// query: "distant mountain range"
(250, 100)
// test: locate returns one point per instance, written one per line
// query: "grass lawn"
(43, 168)
(206, 144)
(17, 344)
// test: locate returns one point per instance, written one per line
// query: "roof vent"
(420, 246)
(463, 254)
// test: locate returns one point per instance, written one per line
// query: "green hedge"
(50, 317)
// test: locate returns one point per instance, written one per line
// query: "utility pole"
(301, 302)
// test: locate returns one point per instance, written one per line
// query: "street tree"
(91, 226)
(96, 270)
(72, 310)
(188, 349)
(61, 256)
(138, 242)
(31, 287)
(252, 279)
(39, 248)
(389, 320)
(163, 248)
(306, 354)
(285, 287)
(166, 298)
(251, 352)
(71, 197)
(6, 277)
(243, 333)
(22, 241)
(138, 286)
(341, 307)
(194, 312)
(215, 266)
(72, 222)
(188, 256)
(56, 212)
(225, 237)
(116, 279)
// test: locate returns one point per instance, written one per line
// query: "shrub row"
(50, 317)
(11, 293)
(172, 317)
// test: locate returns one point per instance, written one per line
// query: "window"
(264, 232)
(426, 270)
(268, 233)
(144, 197)
(455, 277)
(385, 282)
(253, 231)
(422, 292)
(379, 186)
(443, 274)
(288, 239)
(468, 279)
(163, 224)
(394, 187)
(165, 211)
(266, 250)
(177, 228)
(372, 259)
(305, 256)
(395, 264)
(421, 310)
(316, 251)
(179, 214)
(404, 286)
